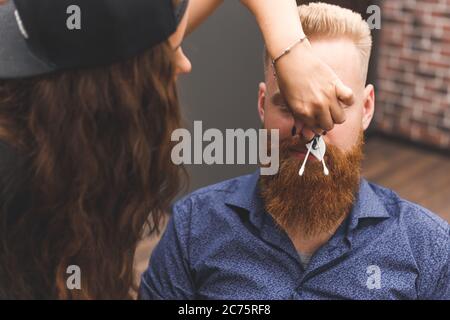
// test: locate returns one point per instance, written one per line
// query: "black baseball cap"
(44, 36)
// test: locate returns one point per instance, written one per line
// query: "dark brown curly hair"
(94, 172)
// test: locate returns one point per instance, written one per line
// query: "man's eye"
(279, 103)
(284, 107)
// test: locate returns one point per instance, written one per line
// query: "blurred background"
(408, 144)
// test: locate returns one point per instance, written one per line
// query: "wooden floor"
(415, 174)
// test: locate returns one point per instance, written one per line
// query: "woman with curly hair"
(86, 115)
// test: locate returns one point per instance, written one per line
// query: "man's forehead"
(339, 54)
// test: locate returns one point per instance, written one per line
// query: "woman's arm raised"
(311, 88)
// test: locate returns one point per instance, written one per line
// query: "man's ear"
(368, 106)
(262, 100)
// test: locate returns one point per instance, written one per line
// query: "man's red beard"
(314, 203)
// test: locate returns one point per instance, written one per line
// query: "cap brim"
(16, 59)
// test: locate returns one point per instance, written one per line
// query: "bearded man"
(310, 236)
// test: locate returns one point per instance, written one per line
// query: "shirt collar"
(367, 205)
(246, 196)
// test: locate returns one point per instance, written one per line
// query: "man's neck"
(309, 244)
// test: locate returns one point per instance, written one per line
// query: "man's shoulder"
(427, 234)
(411, 214)
(211, 199)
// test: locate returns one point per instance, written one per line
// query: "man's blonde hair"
(322, 20)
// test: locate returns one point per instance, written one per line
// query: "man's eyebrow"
(277, 98)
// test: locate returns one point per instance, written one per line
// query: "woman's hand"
(312, 89)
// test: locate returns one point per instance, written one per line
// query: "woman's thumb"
(344, 93)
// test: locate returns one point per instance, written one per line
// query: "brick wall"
(413, 97)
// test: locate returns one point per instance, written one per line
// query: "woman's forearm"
(199, 11)
(279, 30)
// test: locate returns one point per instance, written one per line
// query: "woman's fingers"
(307, 134)
(324, 119)
(337, 111)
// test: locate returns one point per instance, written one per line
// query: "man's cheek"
(283, 124)
(345, 142)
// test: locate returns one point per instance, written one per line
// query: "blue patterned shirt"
(221, 244)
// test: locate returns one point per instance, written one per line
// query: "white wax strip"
(319, 148)
(317, 153)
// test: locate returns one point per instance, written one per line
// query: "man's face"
(313, 204)
(344, 58)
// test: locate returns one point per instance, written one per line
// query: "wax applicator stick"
(302, 169)
(325, 169)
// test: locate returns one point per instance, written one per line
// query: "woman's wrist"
(279, 30)
(288, 50)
